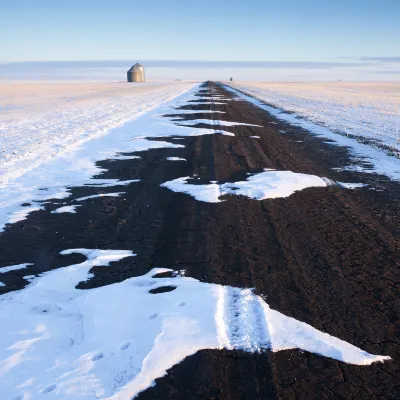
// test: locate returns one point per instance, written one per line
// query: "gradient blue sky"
(248, 30)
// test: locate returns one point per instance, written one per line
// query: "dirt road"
(326, 256)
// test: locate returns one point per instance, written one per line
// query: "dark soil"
(326, 256)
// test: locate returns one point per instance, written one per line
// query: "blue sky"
(250, 30)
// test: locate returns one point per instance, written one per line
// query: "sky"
(291, 31)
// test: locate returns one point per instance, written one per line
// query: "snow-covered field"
(365, 110)
(42, 120)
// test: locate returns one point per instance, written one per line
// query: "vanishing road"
(327, 255)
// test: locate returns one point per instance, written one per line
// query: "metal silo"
(136, 73)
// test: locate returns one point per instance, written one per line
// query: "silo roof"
(136, 66)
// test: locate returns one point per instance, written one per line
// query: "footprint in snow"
(125, 345)
(48, 389)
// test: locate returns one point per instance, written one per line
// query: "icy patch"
(265, 185)
(3, 270)
(65, 209)
(93, 196)
(70, 344)
(175, 159)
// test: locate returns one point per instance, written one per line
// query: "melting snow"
(111, 182)
(265, 185)
(216, 122)
(69, 343)
(175, 159)
(115, 194)
(3, 270)
(65, 209)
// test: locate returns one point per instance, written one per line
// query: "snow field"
(380, 161)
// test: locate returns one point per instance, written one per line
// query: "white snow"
(175, 159)
(2, 284)
(255, 137)
(65, 209)
(17, 267)
(112, 342)
(273, 184)
(21, 213)
(366, 110)
(94, 196)
(209, 193)
(269, 184)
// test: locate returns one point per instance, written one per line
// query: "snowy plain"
(340, 111)
(43, 120)
(52, 134)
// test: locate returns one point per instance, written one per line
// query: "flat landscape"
(199, 241)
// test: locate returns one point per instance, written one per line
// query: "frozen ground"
(42, 120)
(69, 343)
(362, 116)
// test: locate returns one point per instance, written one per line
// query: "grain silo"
(136, 73)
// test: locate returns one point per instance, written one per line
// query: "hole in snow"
(162, 289)
(152, 316)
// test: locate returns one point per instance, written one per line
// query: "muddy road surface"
(327, 256)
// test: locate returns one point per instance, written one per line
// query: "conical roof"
(136, 66)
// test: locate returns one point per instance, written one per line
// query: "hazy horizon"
(333, 69)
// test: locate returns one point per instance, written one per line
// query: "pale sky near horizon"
(251, 30)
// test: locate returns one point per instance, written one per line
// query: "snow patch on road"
(17, 267)
(70, 344)
(269, 184)
(215, 122)
(111, 182)
(209, 193)
(94, 196)
(175, 159)
(65, 209)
